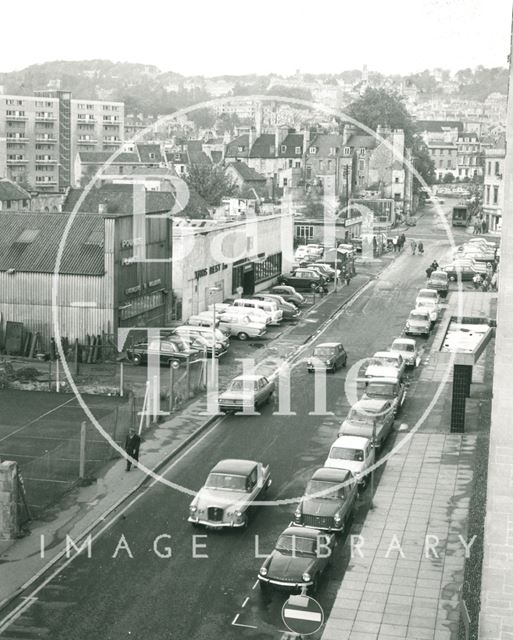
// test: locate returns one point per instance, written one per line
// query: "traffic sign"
(302, 615)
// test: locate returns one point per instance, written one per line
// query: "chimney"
(251, 137)
(258, 119)
(347, 132)
(102, 208)
(306, 140)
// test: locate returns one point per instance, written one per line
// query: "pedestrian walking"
(132, 446)
(348, 279)
(493, 282)
(413, 245)
(434, 265)
(421, 248)
(395, 241)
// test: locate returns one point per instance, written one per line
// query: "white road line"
(6, 622)
(255, 585)
(245, 602)
(247, 626)
(234, 621)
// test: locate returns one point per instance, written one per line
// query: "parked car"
(331, 355)
(418, 323)
(429, 299)
(206, 319)
(167, 350)
(205, 336)
(246, 393)
(407, 348)
(310, 267)
(289, 294)
(241, 326)
(391, 388)
(328, 501)
(255, 315)
(289, 310)
(270, 308)
(325, 271)
(465, 269)
(329, 268)
(303, 279)
(382, 361)
(298, 560)
(226, 498)
(314, 249)
(439, 281)
(369, 417)
(354, 453)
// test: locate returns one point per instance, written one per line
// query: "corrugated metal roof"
(36, 252)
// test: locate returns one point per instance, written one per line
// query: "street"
(201, 598)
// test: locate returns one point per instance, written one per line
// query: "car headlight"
(306, 576)
(193, 508)
(298, 514)
(219, 345)
(238, 514)
(407, 325)
(263, 571)
(337, 518)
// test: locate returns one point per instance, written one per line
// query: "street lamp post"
(212, 290)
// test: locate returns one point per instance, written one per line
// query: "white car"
(270, 308)
(255, 315)
(418, 323)
(354, 453)
(381, 362)
(429, 299)
(407, 348)
(241, 326)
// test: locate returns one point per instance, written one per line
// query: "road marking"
(234, 621)
(255, 585)
(245, 602)
(6, 622)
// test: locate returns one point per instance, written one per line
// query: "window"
(269, 268)
(283, 148)
(489, 168)
(487, 194)
(241, 148)
(313, 150)
(496, 195)
(290, 164)
(362, 151)
(249, 243)
(305, 231)
(329, 165)
(321, 165)
(347, 151)
(361, 165)
(27, 236)
(497, 168)
(308, 171)
(285, 182)
(396, 180)
(297, 150)
(297, 164)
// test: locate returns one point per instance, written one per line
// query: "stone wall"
(9, 521)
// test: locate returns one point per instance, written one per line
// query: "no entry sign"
(302, 615)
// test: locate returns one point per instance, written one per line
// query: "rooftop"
(233, 465)
(11, 191)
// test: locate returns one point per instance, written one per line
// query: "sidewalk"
(423, 498)
(83, 509)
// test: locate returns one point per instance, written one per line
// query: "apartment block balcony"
(47, 161)
(46, 140)
(47, 118)
(16, 117)
(15, 140)
(12, 161)
(87, 141)
(86, 120)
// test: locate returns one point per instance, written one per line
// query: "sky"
(198, 37)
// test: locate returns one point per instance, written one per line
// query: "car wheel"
(242, 336)
(136, 359)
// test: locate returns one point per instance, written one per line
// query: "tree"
(423, 163)
(203, 118)
(380, 107)
(211, 183)
(448, 178)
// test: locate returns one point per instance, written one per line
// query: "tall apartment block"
(40, 136)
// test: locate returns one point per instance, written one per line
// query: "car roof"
(405, 340)
(329, 344)
(369, 403)
(438, 273)
(392, 379)
(330, 474)
(384, 354)
(424, 291)
(419, 311)
(249, 376)
(234, 465)
(351, 441)
(301, 531)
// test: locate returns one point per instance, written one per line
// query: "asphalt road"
(182, 597)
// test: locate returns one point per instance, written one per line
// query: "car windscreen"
(419, 317)
(431, 295)
(388, 360)
(296, 545)
(346, 453)
(380, 389)
(242, 385)
(361, 415)
(231, 482)
(324, 351)
(328, 490)
(403, 346)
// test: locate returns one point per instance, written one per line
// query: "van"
(241, 326)
(271, 308)
(255, 315)
(206, 319)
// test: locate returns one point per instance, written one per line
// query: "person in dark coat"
(132, 445)
(429, 271)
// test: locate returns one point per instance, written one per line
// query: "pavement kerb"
(168, 457)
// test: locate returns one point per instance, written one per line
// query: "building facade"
(40, 136)
(493, 187)
(212, 261)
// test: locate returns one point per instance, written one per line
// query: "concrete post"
(9, 490)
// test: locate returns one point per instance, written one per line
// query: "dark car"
(290, 311)
(392, 389)
(304, 279)
(298, 560)
(289, 294)
(328, 501)
(439, 280)
(329, 356)
(167, 349)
